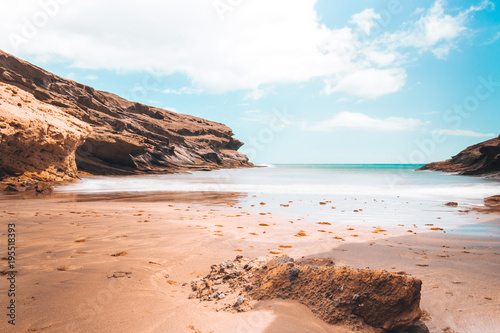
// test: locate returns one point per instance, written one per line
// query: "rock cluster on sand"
(338, 295)
(482, 159)
(101, 132)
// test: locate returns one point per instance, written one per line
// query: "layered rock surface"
(482, 159)
(119, 136)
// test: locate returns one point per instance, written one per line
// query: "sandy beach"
(123, 264)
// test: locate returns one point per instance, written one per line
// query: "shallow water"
(382, 195)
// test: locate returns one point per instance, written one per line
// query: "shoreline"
(67, 272)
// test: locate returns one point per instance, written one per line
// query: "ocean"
(385, 195)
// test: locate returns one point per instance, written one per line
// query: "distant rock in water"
(49, 126)
(482, 159)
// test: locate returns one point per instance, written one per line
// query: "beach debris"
(338, 295)
(195, 330)
(493, 201)
(262, 203)
(301, 234)
(119, 254)
(119, 275)
(451, 204)
(325, 223)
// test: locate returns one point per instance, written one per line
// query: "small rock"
(283, 260)
(294, 273)
(451, 204)
(418, 327)
(43, 188)
(240, 300)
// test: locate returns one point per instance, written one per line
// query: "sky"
(298, 81)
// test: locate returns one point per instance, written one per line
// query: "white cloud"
(365, 21)
(257, 44)
(458, 132)
(183, 90)
(91, 77)
(436, 31)
(369, 83)
(361, 121)
(257, 94)
(168, 108)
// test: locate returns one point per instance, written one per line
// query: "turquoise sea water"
(384, 194)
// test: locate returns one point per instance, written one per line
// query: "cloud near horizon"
(467, 133)
(286, 46)
(354, 120)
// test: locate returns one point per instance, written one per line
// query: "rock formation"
(37, 139)
(482, 159)
(110, 134)
(338, 295)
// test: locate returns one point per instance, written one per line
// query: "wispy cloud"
(365, 20)
(91, 77)
(457, 132)
(257, 94)
(361, 121)
(182, 91)
(369, 83)
(493, 39)
(255, 116)
(436, 31)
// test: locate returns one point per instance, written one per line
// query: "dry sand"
(69, 281)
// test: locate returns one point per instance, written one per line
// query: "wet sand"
(119, 264)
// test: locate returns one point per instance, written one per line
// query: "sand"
(118, 264)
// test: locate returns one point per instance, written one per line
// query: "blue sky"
(299, 81)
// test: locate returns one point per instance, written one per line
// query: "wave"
(263, 165)
(156, 184)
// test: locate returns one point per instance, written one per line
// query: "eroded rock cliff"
(111, 135)
(482, 159)
(38, 140)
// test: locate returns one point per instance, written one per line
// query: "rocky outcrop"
(482, 159)
(124, 137)
(338, 295)
(37, 140)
